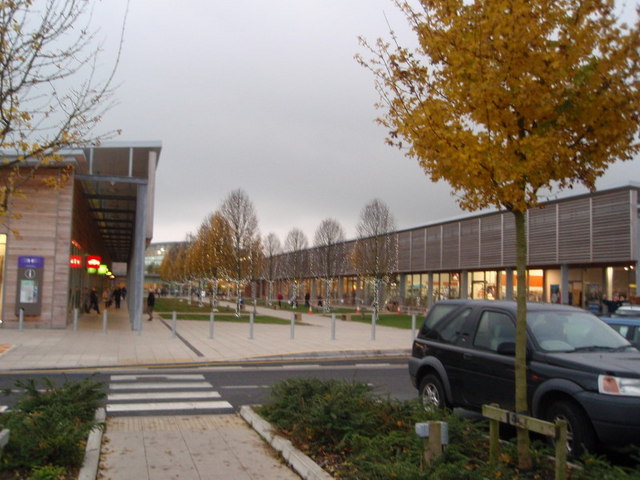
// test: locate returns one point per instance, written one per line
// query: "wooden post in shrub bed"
(557, 430)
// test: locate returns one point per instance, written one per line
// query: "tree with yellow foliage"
(211, 253)
(506, 99)
(52, 92)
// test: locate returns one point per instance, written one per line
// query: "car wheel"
(432, 393)
(580, 434)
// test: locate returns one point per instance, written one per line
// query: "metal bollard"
(374, 319)
(212, 319)
(75, 319)
(251, 325)
(174, 325)
(293, 326)
(21, 319)
(413, 326)
(104, 321)
(333, 326)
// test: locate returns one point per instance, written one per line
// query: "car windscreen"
(564, 331)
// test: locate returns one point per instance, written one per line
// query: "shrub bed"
(49, 428)
(354, 434)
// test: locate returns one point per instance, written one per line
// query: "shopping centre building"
(581, 250)
(90, 233)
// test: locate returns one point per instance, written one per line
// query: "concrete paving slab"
(198, 447)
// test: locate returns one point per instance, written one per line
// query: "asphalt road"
(203, 389)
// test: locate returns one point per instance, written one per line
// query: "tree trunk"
(214, 293)
(376, 298)
(238, 298)
(327, 292)
(524, 453)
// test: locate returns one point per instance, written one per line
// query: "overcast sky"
(266, 96)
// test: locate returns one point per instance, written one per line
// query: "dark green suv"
(578, 368)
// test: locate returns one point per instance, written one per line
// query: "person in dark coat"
(151, 302)
(93, 301)
(117, 294)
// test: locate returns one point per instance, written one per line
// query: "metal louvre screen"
(611, 232)
(470, 243)
(491, 241)
(450, 247)
(417, 250)
(404, 251)
(543, 236)
(508, 240)
(434, 245)
(574, 221)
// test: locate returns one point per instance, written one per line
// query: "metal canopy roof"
(114, 173)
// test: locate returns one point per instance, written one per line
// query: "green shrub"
(49, 429)
(354, 434)
(48, 472)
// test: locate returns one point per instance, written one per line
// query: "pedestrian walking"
(117, 294)
(151, 302)
(93, 301)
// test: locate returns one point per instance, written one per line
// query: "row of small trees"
(228, 247)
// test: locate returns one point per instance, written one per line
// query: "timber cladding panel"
(542, 230)
(574, 221)
(470, 243)
(491, 241)
(451, 246)
(418, 250)
(434, 248)
(43, 229)
(404, 251)
(508, 239)
(612, 218)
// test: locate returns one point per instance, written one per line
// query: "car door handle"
(467, 356)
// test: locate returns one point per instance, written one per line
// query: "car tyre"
(432, 393)
(580, 434)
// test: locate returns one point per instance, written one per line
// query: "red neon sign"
(93, 261)
(75, 261)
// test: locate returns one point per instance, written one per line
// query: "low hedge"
(48, 427)
(354, 434)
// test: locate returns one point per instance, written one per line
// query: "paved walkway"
(187, 447)
(199, 447)
(90, 345)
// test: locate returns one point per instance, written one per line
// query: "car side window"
(437, 313)
(622, 329)
(636, 335)
(493, 329)
(451, 330)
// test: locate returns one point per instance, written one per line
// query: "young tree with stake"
(508, 99)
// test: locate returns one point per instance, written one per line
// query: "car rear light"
(610, 385)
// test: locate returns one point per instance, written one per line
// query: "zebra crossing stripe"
(143, 407)
(158, 386)
(185, 376)
(115, 397)
(160, 392)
